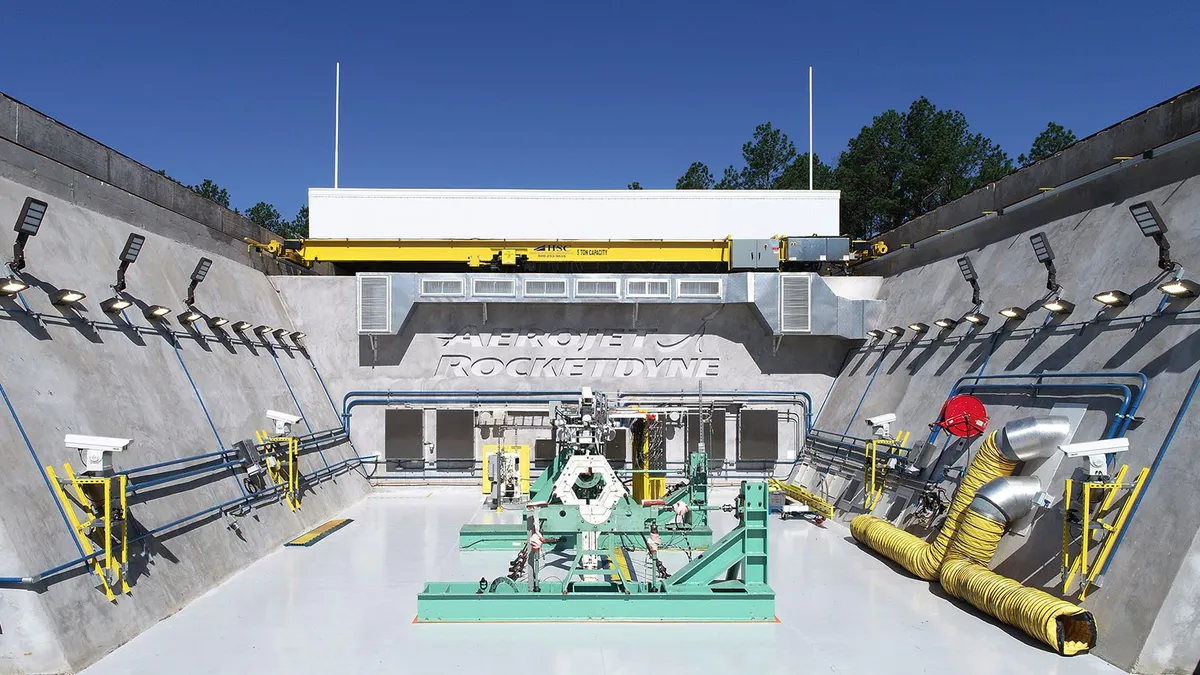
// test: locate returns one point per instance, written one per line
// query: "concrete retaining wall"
(175, 393)
(1146, 609)
(1164, 123)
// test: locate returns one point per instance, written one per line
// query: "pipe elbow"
(1007, 499)
(1033, 437)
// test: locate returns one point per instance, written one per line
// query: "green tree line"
(263, 213)
(903, 164)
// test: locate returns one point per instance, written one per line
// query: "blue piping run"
(211, 424)
(878, 367)
(1158, 459)
(303, 417)
(41, 469)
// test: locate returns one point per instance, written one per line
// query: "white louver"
(374, 303)
(794, 306)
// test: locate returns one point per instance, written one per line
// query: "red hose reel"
(963, 415)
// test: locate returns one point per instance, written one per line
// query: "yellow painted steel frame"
(1092, 513)
(799, 494)
(110, 567)
(522, 452)
(286, 470)
(481, 252)
(875, 473)
(646, 486)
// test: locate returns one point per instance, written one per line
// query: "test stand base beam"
(512, 536)
(461, 602)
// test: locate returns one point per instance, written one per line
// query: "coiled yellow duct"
(1066, 627)
(923, 559)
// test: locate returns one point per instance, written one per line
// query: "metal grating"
(374, 303)
(795, 308)
(710, 288)
(545, 288)
(442, 287)
(503, 288)
(648, 288)
(597, 288)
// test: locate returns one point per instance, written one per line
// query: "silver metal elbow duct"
(1033, 437)
(1007, 499)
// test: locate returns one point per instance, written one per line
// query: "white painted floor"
(346, 606)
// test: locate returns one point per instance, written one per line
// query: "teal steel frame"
(726, 583)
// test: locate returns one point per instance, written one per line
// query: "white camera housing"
(882, 424)
(96, 451)
(1095, 453)
(283, 422)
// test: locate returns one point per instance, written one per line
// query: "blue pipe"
(318, 474)
(878, 367)
(176, 476)
(1158, 459)
(41, 469)
(211, 424)
(170, 462)
(303, 417)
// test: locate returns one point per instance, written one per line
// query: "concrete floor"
(346, 605)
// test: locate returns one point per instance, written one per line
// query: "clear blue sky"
(564, 94)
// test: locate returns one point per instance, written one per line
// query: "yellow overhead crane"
(511, 253)
(774, 253)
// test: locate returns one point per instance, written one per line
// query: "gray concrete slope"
(64, 376)
(1097, 250)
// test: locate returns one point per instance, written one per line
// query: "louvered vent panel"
(794, 307)
(545, 288)
(444, 287)
(504, 288)
(374, 304)
(648, 288)
(596, 288)
(710, 288)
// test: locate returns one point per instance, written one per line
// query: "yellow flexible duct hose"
(922, 559)
(1066, 627)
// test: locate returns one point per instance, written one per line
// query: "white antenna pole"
(337, 111)
(810, 131)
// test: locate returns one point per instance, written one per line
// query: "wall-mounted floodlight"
(298, 336)
(115, 304)
(11, 286)
(919, 328)
(198, 275)
(156, 312)
(190, 316)
(262, 330)
(969, 275)
(1045, 255)
(1180, 288)
(875, 334)
(217, 321)
(66, 296)
(129, 254)
(279, 333)
(1112, 298)
(240, 326)
(946, 323)
(976, 318)
(1058, 306)
(27, 226)
(1152, 225)
(896, 330)
(1014, 313)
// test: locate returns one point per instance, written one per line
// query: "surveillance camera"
(96, 451)
(882, 424)
(283, 421)
(1095, 453)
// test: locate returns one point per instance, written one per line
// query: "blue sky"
(564, 94)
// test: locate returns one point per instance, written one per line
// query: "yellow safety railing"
(102, 500)
(1093, 509)
(875, 472)
(283, 470)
